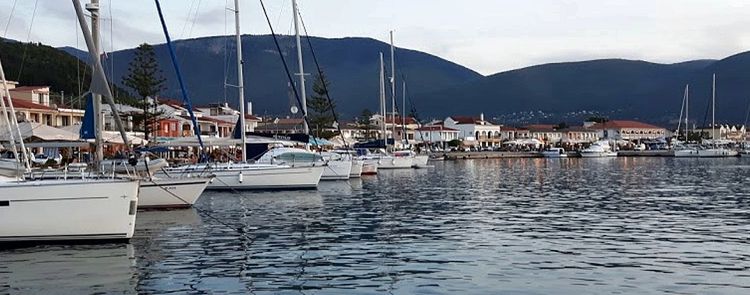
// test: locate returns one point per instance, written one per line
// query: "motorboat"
(554, 152)
(599, 149)
(63, 210)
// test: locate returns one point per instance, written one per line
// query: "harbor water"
(497, 226)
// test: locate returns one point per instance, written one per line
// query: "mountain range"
(620, 88)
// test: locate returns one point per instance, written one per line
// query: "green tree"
(146, 79)
(320, 109)
(364, 123)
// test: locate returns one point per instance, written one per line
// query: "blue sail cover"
(88, 124)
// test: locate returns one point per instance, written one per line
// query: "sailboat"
(243, 175)
(711, 148)
(384, 159)
(683, 150)
(336, 166)
(67, 209)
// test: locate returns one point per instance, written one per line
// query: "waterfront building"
(32, 104)
(627, 130)
(436, 134)
(547, 133)
(724, 131)
(475, 131)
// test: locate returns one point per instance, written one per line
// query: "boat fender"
(240, 177)
(132, 161)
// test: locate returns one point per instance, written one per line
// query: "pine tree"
(145, 78)
(320, 109)
(364, 122)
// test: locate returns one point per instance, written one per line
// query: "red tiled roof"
(542, 127)
(508, 128)
(25, 88)
(251, 117)
(409, 120)
(209, 119)
(620, 124)
(25, 104)
(436, 128)
(465, 119)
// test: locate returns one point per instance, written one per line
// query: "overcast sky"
(488, 36)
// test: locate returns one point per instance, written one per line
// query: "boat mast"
(393, 92)
(713, 109)
(301, 66)
(687, 107)
(403, 111)
(240, 78)
(382, 100)
(93, 8)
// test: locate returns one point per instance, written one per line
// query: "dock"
(489, 155)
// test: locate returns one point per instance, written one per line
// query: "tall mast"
(393, 92)
(403, 110)
(301, 66)
(93, 8)
(713, 109)
(382, 99)
(687, 108)
(240, 79)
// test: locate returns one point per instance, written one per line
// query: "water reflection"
(529, 226)
(68, 269)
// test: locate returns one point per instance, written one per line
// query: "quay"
(500, 154)
(489, 155)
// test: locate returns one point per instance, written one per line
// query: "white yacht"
(171, 192)
(337, 167)
(554, 152)
(397, 160)
(54, 210)
(357, 164)
(243, 176)
(599, 149)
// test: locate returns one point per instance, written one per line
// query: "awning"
(39, 132)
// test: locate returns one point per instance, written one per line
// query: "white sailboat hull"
(35, 211)
(395, 162)
(705, 153)
(337, 170)
(370, 167)
(168, 192)
(356, 170)
(420, 161)
(271, 178)
(598, 154)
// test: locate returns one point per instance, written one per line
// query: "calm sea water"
(515, 226)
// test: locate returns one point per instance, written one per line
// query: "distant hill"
(38, 64)
(351, 64)
(626, 88)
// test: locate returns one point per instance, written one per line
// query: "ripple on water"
(520, 226)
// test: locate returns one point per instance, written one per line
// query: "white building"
(627, 130)
(475, 131)
(436, 134)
